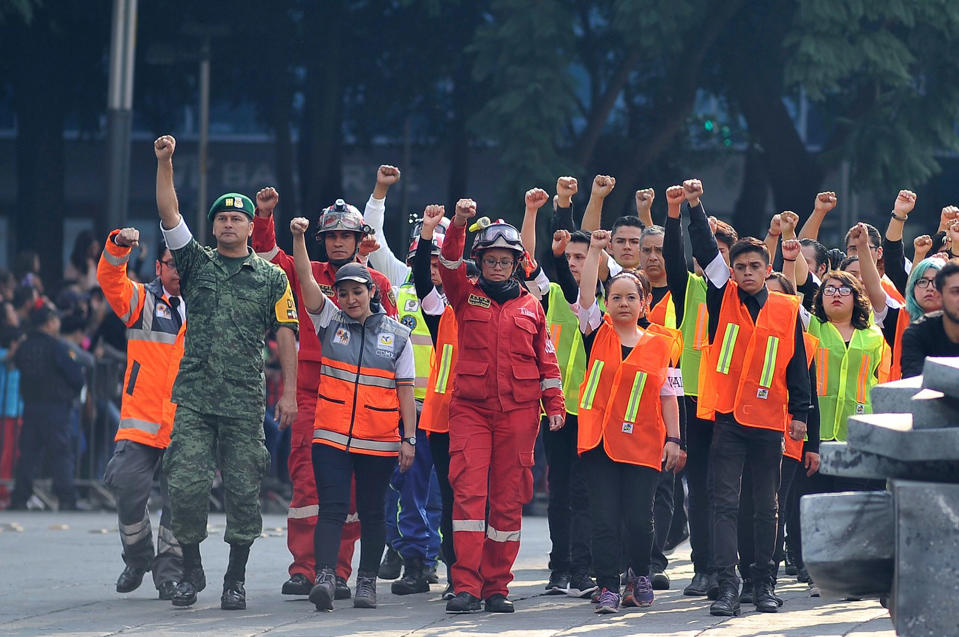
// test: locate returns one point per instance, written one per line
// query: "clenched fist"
(432, 215)
(905, 202)
(164, 146)
(947, 216)
(465, 209)
(387, 175)
(560, 241)
(603, 185)
(299, 226)
(644, 199)
(825, 201)
(921, 246)
(368, 245)
(693, 188)
(535, 198)
(566, 187)
(266, 200)
(788, 220)
(776, 225)
(127, 238)
(791, 249)
(599, 239)
(859, 237)
(675, 196)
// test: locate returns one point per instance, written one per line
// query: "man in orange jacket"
(155, 317)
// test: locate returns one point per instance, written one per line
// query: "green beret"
(232, 201)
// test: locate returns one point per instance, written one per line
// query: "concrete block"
(848, 543)
(932, 409)
(942, 374)
(893, 397)
(893, 436)
(925, 596)
(839, 459)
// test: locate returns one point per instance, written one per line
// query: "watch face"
(411, 440)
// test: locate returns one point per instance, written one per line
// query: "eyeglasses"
(831, 290)
(499, 263)
(923, 283)
(170, 264)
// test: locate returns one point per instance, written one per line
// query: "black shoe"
(727, 603)
(673, 542)
(712, 588)
(499, 604)
(791, 568)
(298, 584)
(130, 579)
(746, 596)
(192, 583)
(558, 583)
(323, 590)
(167, 589)
(764, 599)
(365, 591)
(660, 581)
(449, 593)
(392, 564)
(234, 596)
(431, 575)
(802, 576)
(463, 603)
(342, 590)
(697, 587)
(413, 580)
(581, 585)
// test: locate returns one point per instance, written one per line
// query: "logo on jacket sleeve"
(478, 301)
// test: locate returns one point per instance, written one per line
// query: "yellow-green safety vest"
(844, 375)
(408, 308)
(695, 329)
(567, 339)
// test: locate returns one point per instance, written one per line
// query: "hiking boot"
(298, 584)
(130, 579)
(463, 603)
(608, 602)
(365, 591)
(323, 591)
(234, 595)
(580, 585)
(413, 580)
(392, 564)
(558, 583)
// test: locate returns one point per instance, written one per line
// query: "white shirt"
(181, 306)
(383, 259)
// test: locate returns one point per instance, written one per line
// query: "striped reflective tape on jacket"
(145, 426)
(592, 384)
(769, 362)
(443, 374)
(134, 300)
(115, 260)
(471, 526)
(364, 379)
(151, 336)
(726, 351)
(355, 443)
(502, 536)
(551, 383)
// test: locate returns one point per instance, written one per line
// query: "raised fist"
(387, 175)
(921, 246)
(560, 241)
(905, 202)
(466, 208)
(603, 185)
(788, 220)
(675, 196)
(164, 146)
(644, 199)
(599, 239)
(127, 238)
(535, 198)
(776, 225)
(693, 188)
(859, 237)
(432, 215)
(266, 200)
(791, 249)
(711, 220)
(299, 226)
(566, 187)
(825, 201)
(947, 216)
(368, 245)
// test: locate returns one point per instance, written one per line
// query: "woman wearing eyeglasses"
(505, 366)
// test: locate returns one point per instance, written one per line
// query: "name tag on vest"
(478, 301)
(627, 427)
(762, 393)
(163, 311)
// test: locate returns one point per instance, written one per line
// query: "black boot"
(193, 580)
(234, 595)
(298, 584)
(413, 580)
(727, 603)
(763, 596)
(463, 603)
(746, 596)
(392, 564)
(712, 588)
(130, 579)
(697, 587)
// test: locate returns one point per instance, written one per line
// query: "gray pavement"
(57, 575)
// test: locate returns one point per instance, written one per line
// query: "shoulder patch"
(390, 296)
(409, 321)
(328, 290)
(479, 301)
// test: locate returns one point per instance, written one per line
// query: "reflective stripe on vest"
(341, 440)
(567, 340)
(726, 351)
(635, 394)
(769, 362)
(664, 312)
(411, 315)
(443, 375)
(695, 330)
(589, 393)
(145, 426)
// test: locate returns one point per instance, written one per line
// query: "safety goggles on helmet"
(435, 251)
(438, 231)
(342, 216)
(498, 235)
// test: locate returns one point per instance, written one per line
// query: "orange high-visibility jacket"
(435, 415)
(902, 322)
(154, 349)
(793, 448)
(744, 369)
(619, 399)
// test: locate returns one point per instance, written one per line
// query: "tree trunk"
(750, 215)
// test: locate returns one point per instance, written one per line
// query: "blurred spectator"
(26, 269)
(11, 407)
(81, 269)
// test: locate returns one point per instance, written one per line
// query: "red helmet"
(435, 251)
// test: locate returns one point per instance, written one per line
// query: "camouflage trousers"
(200, 444)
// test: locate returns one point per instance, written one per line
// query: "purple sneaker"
(643, 591)
(608, 602)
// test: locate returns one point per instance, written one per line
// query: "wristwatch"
(411, 440)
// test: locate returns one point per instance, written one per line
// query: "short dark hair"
(847, 261)
(822, 258)
(784, 283)
(860, 300)
(629, 221)
(875, 239)
(726, 233)
(951, 267)
(748, 244)
(161, 250)
(835, 257)
(580, 236)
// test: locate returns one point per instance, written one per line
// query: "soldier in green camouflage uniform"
(234, 298)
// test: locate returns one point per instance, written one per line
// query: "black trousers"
(787, 484)
(734, 446)
(333, 470)
(699, 438)
(567, 512)
(440, 448)
(45, 434)
(663, 504)
(621, 501)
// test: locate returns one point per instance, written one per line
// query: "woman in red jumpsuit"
(505, 365)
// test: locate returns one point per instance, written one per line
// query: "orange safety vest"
(902, 322)
(435, 415)
(357, 406)
(619, 399)
(793, 448)
(657, 314)
(154, 349)
(744, 368)
(891, 290)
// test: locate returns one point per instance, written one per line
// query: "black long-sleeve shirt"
(48, 373)
(894, 262)
(925, 337)
(705, 250)
(423, 283)
(677, 270)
